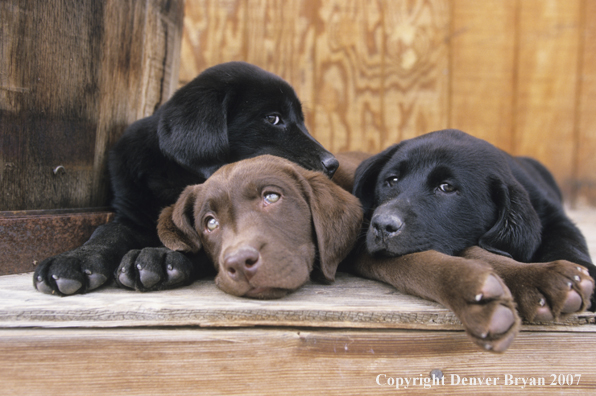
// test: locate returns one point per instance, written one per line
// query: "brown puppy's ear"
(175, 226)
(337, 218)
(517, 231)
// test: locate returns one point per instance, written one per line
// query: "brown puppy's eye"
(271, 198)
(446, 188)
(273, 119)
(211, 223)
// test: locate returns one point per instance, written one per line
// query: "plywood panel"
(214, 32)
(546, 84)
(482, 64)
(348, 75)
(416, 63)
(586, 127)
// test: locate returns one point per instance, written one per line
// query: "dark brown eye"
(446, 188)
(273, 119)
(391, 181)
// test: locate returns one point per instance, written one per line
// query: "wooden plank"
(72, 76)
(546, 85)
(214, 32)
(350, 302)
(483, 69)
(416, 68)
(586, 139)
(348, 75)
(284, 361)
(32, 236)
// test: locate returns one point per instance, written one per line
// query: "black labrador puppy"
(230, 112)
(447, 193)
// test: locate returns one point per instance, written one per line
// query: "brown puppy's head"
(266, 223)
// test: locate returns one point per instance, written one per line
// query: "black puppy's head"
(235, 111)
(445, 191)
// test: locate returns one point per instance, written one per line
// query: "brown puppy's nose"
(243, 262)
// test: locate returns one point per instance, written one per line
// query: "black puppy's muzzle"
(330, 165)
(385, 226)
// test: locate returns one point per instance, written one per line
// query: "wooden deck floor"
(353, 337)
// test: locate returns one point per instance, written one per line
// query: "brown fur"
(311, 228)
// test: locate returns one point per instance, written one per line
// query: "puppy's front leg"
(470, 288)
(543, 291)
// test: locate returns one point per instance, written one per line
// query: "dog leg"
(543, 291)
(470, 288)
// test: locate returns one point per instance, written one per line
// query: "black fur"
(229, 112)
(507, 205)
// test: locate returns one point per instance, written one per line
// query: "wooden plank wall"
(519, 73)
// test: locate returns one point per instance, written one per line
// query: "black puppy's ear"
(337, 218)
(517, 231)
(175, 226)
(367, 172)
(192, 128)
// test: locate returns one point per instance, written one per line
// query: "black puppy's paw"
(551, 291)
(74, 272)
(154, 269)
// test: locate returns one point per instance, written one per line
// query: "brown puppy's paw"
(547, 292)
(487, 311)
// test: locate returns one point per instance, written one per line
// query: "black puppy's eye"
(446, 188)
(273, 119)
(271, 198)
(391, 181)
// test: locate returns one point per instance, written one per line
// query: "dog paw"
(488, 314)
(71, 273)
(154, 269)
(547, 292)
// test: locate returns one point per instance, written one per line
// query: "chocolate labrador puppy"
(447, 193)
(230, 112)
(266, 224)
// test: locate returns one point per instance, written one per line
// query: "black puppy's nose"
(242, 263)
(386, 225)
(330, 164)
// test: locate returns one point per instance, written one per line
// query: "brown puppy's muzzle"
(242, 264)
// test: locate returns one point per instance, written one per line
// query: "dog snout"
(242, 264)
(386, 226)
(330, 165)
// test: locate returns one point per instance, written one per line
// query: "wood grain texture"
(73, 75)
(416, 79)
(350, 302)
(546, 85)
(585, 149)
(483, 74)
(281, 361)
(371, 73)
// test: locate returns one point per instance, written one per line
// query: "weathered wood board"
(350, 302)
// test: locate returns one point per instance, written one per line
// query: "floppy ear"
(366, 177)
(337, 218)
(517, 231)
(175, 226)
(192, 128)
